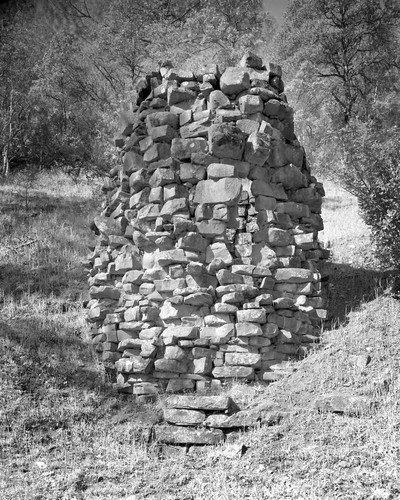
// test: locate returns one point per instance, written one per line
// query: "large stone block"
(227, 190)
(234, 80)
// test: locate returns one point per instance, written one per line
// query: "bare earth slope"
(65, 435)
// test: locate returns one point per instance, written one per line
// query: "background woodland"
(68, 70)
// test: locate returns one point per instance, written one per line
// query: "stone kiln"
(206, 264)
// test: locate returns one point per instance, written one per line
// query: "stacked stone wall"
(206, 266)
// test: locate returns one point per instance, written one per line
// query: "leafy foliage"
(343, 61)
(66, 66)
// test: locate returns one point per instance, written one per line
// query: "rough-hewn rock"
(206, 262)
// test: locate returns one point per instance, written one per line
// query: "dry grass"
(65, 435)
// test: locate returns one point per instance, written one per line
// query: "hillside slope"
(64, 434)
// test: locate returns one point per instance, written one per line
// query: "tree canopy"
(66, 65)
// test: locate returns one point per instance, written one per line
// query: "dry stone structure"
(206, 266)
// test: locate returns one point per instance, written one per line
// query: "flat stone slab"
(184, 417)
(246, 418)
(344, 404)
(204, 403)
(170, 434)
(226, 190)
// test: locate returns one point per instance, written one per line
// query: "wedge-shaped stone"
(227, 371)
(163, 133)
(132, 161)
(263, 188)
(226, 191)
(162, 118)
(149, 212)
(218, 335)
(196, 129)
(199, 299)
(247, 329)
(161, 176)
(204, 403)
(107, 225)
(219, 251)
(185, 435)
(243, 359)
(174, 206)
(247, 418)
(183, 417)
(181, 332)
(234, 80)
(175, 352)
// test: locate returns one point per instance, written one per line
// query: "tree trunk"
(6, 149)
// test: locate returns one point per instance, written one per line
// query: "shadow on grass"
(41, 353)
(349, 287)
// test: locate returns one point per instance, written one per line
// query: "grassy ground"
(65, 435)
